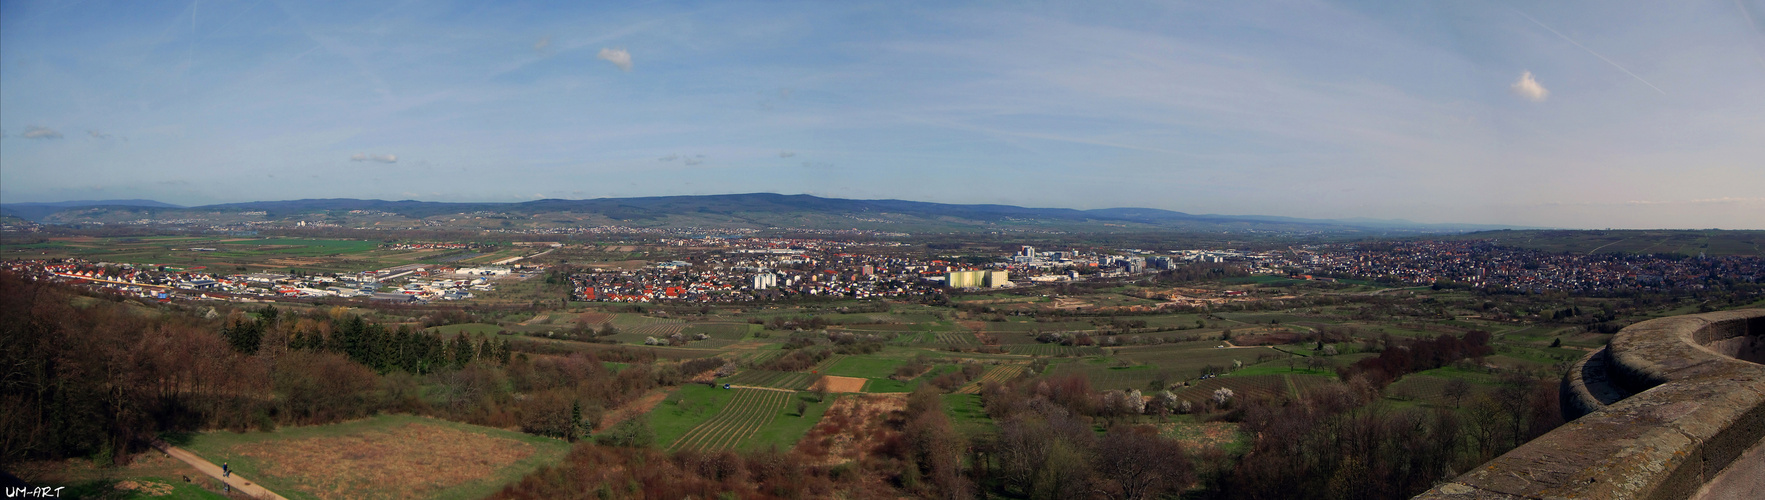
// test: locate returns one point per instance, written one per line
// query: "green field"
(751, 418)
(795, 381)
(864, 367)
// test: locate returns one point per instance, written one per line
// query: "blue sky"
(1564, 114)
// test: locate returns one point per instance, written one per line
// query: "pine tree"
(570, 433)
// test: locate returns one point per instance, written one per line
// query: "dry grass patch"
(414, 460)
(832, 383)
(852, 427)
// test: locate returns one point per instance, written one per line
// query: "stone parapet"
(1664, 409)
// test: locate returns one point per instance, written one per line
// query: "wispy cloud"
(671, 157)
(619, 57)
(544, 42)
(1529, 88)
(786, 154)
(99, 135)
(36, 132)
(374, 157)
(1590, 51)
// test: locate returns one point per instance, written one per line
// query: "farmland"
(387, 456)
(654, 374)
(747, 412)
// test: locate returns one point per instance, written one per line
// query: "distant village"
(408, 283)
(736, 269)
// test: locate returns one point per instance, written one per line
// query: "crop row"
(999, 374)
(657, 330)
(1053, 350)
(796, 381)
(748, 412)
(954, 338)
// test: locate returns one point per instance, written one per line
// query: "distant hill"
(37, 211)
(778, 211)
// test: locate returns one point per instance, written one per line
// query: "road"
(239, 484)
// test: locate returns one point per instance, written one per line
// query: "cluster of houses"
(412, 283)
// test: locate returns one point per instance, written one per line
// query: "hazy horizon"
(1574, 115)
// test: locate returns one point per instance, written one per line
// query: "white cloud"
(1528, 88)
(619, 57)
(36, 132)
(374, 157)
(543, 43)
(98, 135)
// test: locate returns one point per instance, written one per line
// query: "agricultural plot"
(1032, 326)
(1124, 378)
(723, 331)
(1251, 386)
(795, 381)
(628, 321)
(826, 363)
(389, 456)
(657, 330)
(963, 338)
(864, 367)
(999, 374)
(1188, 358)
(748, 412)
(1052, 350)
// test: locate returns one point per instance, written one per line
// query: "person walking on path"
(225, 470)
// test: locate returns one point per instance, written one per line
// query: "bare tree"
(1457, 389)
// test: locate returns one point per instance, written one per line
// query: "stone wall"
(1664, 409)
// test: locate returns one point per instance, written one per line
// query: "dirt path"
(238, 483)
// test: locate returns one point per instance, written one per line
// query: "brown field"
(841, 384)
(851, 426)
(410, 461)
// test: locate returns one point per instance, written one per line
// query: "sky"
(1573, 114)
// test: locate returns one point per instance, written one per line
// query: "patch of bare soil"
(832, 383)
(409, 461)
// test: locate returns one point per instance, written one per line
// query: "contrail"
(1590, 51)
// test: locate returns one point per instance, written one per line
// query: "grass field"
(722, 331)
(795, 381)
(1251, 386)
(389, 456)
(864, 367)
(748, 413)
(994, 374)
(883, 385)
